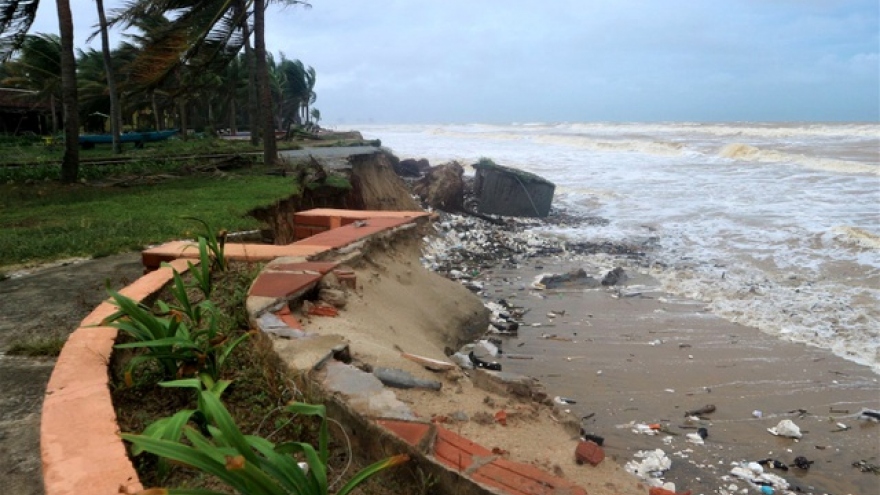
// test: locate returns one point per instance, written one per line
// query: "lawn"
(47, 221)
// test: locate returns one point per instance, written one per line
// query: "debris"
(786, 428)
(589, 437)
(429, 363)
(653, 464)
(486, 365)
(775, 464)
(870, 415)
(866, 467)
(564, 400)
(589, 452)
(801, 462)
(614, 277)
(393, 377)
(501, 417)
(757, 414)
(707, 409)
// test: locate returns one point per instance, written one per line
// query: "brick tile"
(523, 479)
(312, 266)
(272, 284)
(410, 432)
(457, 451)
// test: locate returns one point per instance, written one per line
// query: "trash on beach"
(802, 462)
(486, 365)
(501, 417)
(866, 467)
(643, 429)
(695, 438)
(707, 409)
(589, 437)
(773, 463)
(757, 414)
(840, 427)
(553, 336)
(754, 474)
(429, 363)
(652, 465)
(564, 400)
(786, 428)
(462, 360)
(870, 415)
(396, 378)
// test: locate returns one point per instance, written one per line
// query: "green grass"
(21, 151)
(37, 346)
(50, 221)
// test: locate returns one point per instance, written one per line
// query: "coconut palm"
(115, 110)
(16, 17)
(37, 67)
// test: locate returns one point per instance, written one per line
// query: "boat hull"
(90, 140)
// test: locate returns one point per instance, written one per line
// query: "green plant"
(159, 336)
(215, 242)
(180, 348)
(253, 465)
(195, 313)
(171, 428)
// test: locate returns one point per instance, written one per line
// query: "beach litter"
(786, 428)
(707, 409)
(754, 474)
(396, 378)
(653, 464)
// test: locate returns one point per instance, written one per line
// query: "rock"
(442, 187)
(574, 278)
(393, 377)
(588, 452)
(334, 297)
(511, 192)
(411, 167)
(614, 277)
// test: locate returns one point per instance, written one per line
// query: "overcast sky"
(494, 61)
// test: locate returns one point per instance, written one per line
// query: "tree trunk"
(183, 122)
(156, 117)
(270, 151)
(69, 103)
(115, 112)
(54, 114)
(233, 127)
(253, 107)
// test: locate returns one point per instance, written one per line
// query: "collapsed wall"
(362, 180)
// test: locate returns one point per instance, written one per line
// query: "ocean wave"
(746, 152)
(855, 236)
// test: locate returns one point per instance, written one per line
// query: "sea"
(771, 225)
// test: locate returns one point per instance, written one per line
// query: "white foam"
(771, 225)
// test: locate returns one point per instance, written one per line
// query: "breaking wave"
(745, 152)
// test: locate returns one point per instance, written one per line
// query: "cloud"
(496, 61)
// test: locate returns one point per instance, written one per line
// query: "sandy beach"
(624, 355)
(629, 356)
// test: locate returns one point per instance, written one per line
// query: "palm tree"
(37, 66)
(16, 17)
(115, 110)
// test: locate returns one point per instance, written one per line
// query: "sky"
(494, 61)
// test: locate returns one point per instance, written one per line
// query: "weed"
(37, 346)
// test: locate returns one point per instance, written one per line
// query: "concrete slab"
(364, 392)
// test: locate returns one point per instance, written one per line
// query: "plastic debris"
(870, 415)
(564, 400)
(757, 414)
(652, 465)
(773, 463)
(786, 428)
(802, 462)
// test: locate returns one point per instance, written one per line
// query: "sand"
(401, 307)
(649, 357)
